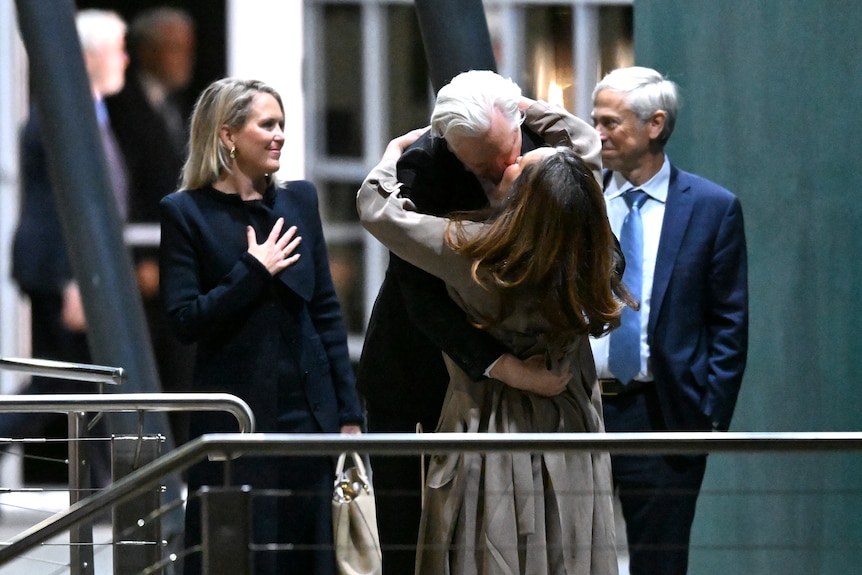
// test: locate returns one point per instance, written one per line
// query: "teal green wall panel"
(771, 96)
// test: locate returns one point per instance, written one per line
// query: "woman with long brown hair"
(538, 273)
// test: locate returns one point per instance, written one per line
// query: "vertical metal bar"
(511, 42)
(137, 541)
(314, 86)
(586, 58)
(375, 103)
(226, 525)
(85, 203)
(81, 534)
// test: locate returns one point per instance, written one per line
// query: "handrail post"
(137, 535)
(226, 530)
(77, 406)
(80, 535)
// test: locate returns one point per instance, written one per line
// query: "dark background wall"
(772, 109)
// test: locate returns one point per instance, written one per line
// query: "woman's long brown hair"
(551, 242)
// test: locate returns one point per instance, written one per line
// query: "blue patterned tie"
(625, 350)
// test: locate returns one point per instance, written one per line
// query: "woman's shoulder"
(197, 195)
(181, 195)
(194, 203)
(298, 192)
(301, 187)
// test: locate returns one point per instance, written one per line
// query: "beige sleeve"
(560, 128)
(416, 238)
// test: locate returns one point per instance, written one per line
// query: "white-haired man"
(478, 130)
(684, 365)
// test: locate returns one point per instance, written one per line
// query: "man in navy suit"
(693, 317)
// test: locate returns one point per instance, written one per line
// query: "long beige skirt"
(518, 513)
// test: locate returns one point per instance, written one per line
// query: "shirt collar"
(656, 187)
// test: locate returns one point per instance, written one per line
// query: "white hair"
(647, 92)
(465, 106)
(96, 27)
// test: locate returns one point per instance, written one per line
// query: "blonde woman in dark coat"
(245, 275)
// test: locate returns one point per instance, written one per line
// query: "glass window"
(548, 70)
(342, 73)
(340, 204)
(345, 264)
(409, 86)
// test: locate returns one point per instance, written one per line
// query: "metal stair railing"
(81, 537)
(138, 402)
(76, 406)
(64, 370)
(228, 447)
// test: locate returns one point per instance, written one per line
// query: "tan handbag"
(354, 520)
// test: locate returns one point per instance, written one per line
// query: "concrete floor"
(21, 510)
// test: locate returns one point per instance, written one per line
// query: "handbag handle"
(357, 462)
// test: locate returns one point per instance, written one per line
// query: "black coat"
(277, 342)
(153, 157)
(401, 371)
(256, 334)
(40, 262)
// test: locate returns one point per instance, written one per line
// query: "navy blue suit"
(40, 263)
(277, 342)
(698, 324)
(698, 339)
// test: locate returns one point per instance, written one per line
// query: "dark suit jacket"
(257, 335)
(698, 322)
(41, 265)
(154, 159)
(401, 370)
(39, 259)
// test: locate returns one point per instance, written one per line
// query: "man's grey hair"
(465, 106)
(96, 27)
(647, 92)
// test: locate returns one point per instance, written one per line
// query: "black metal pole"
(456, 38)
(116, 326)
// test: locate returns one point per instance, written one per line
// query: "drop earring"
(233, 152)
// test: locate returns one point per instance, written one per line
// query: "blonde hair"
(225, 102)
